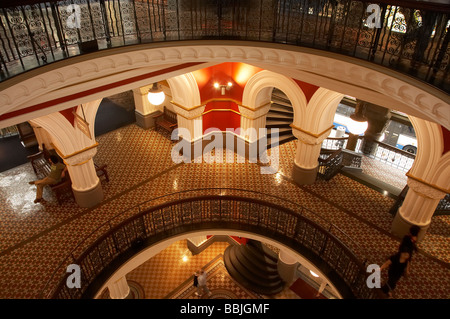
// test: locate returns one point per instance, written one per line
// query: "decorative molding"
(85, 150)
(422, 187)
(78, 73)
(309, 137)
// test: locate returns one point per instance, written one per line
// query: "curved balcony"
(411, 37)
(126, 234)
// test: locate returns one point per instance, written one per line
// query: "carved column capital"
(309, 137)
(425, 189)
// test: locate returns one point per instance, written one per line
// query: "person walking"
(397, 265)
(409, 241)
(202, 283)
(57, 172)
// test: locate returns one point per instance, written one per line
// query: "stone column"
(417, 208)
(377, 118)
(86, 185)
(287, 266)
(42, 136)
(306, 158)
(119, 289)
(253, 119)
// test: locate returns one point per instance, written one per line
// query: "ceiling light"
(156, 95)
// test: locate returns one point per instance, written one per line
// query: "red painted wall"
(308, 89)
(446, 136)
(68, 114)
(236, 73)
(221, 119)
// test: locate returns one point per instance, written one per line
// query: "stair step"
(276, 123)
(259, 257)
(280, 117)
(249, 272)
(260, 269)
(264, 249)
(244, 280)
(281, 131)
(253, 267)
(281, 108)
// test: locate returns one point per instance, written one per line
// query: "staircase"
(280, 115)
(254, 266)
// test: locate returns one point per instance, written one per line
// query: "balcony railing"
(125, 234)
(412, 37)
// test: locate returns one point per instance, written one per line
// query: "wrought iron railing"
(411, 37)
(330, 163)
(222, 208)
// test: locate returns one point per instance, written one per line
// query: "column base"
(90, 197)
(303, 176)
(145, 121)
(400, 227)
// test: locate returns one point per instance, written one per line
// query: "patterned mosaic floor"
(35, 238)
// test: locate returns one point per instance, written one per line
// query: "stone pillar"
(377, 118)
(287, 266)
(417, 208)
(42, 136)
(119, 289)
(306, 158)
(86, 185)
(253, 119)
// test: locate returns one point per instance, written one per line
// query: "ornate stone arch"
(259, 88)
(321, 110)
(185, 90)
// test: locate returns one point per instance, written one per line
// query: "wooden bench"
(166, 120)
(41, 167)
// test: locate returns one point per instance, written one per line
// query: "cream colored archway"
(77, 150)
(428, 179)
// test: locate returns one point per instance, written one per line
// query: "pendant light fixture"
(358, 122)
(156, 95)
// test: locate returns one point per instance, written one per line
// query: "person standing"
(57, 172)
(202, 283)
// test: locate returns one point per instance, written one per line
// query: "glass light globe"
(156, 98)
(313, 273)
(356, 127)
(156, 95)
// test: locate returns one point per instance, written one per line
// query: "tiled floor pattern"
(36, 238)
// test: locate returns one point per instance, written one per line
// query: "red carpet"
(304, 290)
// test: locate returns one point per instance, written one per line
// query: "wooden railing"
(412, 37)
(118, 239)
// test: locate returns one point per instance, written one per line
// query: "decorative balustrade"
(126, 233)
(412, 37)
(393, 156)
